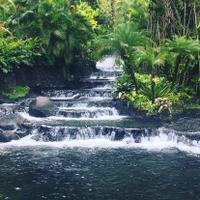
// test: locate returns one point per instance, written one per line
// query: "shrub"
(85, 10)
(15, 53)
(166, 98)
(16, 92)
(63, 31)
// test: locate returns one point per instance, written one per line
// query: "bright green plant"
(15, 53)
(132, 11)
(16, 92)
(85, 10)
(124, 84)
(186, 50)
(124, 41)
(166, 98)
(140, 102)
(64, 33)
(6, 6)
(151, 57)
(162, 86)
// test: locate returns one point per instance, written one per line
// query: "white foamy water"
(112, 78)
(99, 118)
(108, 64)
(99, 98)
(157, 143)
(107, 86)
(63, 97)
(60, 118)
(85, 108)
(165, 141)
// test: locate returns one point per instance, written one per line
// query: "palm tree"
(151, 57)
(185, 49)
(123, 42)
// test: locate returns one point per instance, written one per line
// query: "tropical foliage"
(62, 30)
(16, 92)
(16, 52)
(156, 42)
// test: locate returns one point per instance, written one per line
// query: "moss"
(16, 92)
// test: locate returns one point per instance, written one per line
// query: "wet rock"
(42, 107)
(7, 136)
(185, 124)
(7, 126)
(47, 134)
(119, 134)
(13, 127)
(7, 108)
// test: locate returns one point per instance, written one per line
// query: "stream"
(93, 149)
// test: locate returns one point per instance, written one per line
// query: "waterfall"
(89, 117)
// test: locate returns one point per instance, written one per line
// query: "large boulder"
(42, 107)
(13, 127)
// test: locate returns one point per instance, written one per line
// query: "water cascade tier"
(92, 117)
(91, 147)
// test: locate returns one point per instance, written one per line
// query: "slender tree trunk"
(129, 70)
(184, 17)
(153, 84)
(135, 81)
(197, 35)
(184, 73)
(113, 4)
(178, 60)
(133, 77)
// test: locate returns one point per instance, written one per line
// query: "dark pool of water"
(106, 174)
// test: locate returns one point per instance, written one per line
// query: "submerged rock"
(185, 124)
(7, 109)
(42, 107)
(7, 136)
(13, 127)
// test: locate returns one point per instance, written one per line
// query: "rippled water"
(96, 174)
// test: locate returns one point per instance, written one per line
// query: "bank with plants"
(157, 45)
(43, 41)
(55, 41)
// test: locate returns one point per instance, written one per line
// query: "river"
(92, 150)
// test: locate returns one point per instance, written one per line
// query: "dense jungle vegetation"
(156, 42)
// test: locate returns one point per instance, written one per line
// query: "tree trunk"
(135, 81)
(132, 74)
(113, 4)
(183, 76)
(129, 70)
(178, 60)
(153, 84)
(197, 35)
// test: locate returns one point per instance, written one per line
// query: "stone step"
(49, 133)
(91, 112)
(76, 94)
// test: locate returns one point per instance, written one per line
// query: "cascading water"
(91, 149)
(90, 115)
